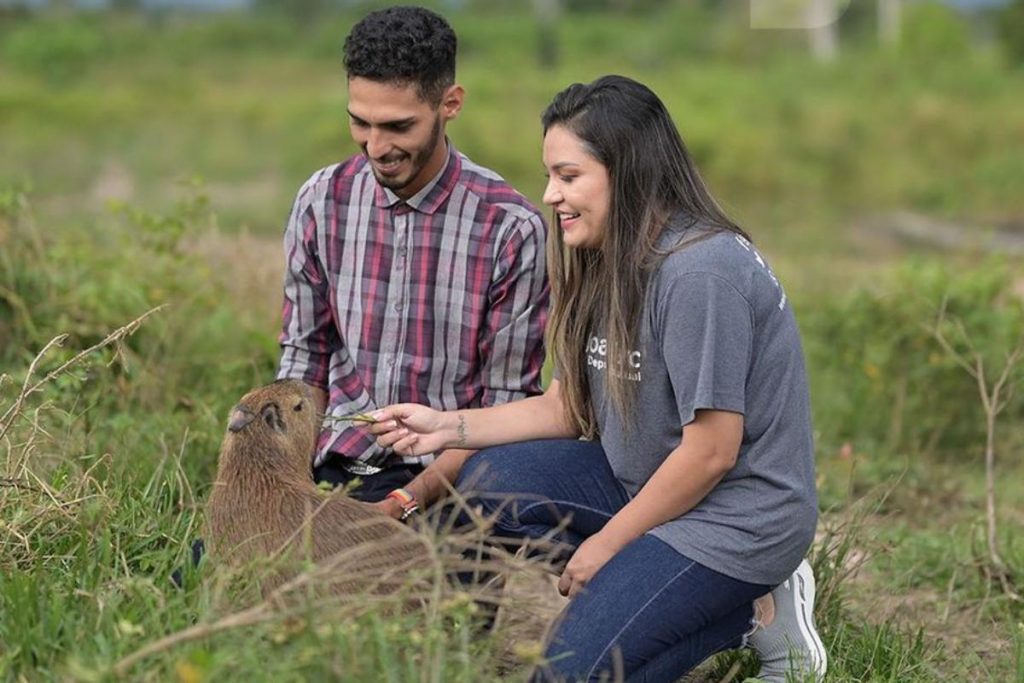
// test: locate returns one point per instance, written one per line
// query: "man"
(413, 274)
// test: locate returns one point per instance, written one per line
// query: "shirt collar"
(431, 197)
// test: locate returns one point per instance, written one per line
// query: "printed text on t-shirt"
(597, 358)
(745, 243)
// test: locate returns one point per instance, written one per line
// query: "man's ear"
(451, 101)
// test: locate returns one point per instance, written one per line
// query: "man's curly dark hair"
(403, 45)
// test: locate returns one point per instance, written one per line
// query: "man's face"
(401, 135)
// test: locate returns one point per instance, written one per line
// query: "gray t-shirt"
(719, 334)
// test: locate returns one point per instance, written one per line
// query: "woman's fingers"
(384, 426)
(396, 436)
(393, 412)
(392, 437)
(564, 583)
(406, 446)
(569, 585)
(399, 427)
(572, 581)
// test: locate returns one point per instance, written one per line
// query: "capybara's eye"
(298, 407)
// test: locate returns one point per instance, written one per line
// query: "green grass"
(108, 122)
(91, 109)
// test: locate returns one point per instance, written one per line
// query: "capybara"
(264, 503)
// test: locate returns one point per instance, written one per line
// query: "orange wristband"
(407, 501)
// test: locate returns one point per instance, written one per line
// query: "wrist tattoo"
(461, 430)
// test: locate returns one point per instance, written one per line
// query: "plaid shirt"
(440, 299)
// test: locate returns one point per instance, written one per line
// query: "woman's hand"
(592, 554)
(411, 429)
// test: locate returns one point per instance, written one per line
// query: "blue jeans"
(651, 613)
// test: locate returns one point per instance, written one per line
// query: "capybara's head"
(277, 420)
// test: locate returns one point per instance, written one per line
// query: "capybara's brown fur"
(264, 503)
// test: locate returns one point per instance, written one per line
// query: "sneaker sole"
(805, 592)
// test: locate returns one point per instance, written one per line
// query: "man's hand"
(592, 554)
(390, 507)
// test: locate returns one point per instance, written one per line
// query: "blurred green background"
(149, 154)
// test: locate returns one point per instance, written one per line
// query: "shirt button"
(398, 305)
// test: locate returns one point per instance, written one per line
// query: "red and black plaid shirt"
(440, 299)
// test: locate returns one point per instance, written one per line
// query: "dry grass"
(42, 510)
(249, 268)
(25, 486)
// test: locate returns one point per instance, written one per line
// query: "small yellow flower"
(127, 628)
(188, 673)
(529, 652)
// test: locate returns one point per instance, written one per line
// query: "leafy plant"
(879, 376)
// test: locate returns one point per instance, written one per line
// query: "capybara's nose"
(240, 417)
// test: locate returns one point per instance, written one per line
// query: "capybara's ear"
(240, 417)
(271, 414)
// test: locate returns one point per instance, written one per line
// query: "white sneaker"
(791, 643)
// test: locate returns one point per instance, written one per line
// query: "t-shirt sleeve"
(706, 340)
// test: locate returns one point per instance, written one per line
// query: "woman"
(678, 361)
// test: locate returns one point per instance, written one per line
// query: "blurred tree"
(1011, 30)
(126, 5)
(819, 19)
(306, 12)
(11, 12)
(632, 6)
(823, 20)
(547, 13)
(935, 33)
(889, 21)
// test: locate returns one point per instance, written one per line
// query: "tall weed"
(880, 379)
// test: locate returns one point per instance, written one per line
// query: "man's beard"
(421, 158)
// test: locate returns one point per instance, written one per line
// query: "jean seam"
(635, 614)
(564, 503)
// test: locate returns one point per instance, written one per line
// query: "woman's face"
(578, 189)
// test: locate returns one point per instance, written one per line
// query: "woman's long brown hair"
(653, 181)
